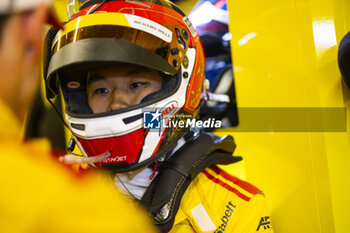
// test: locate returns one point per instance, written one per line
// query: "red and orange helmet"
(149, 33)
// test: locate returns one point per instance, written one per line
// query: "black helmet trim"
(95, 51)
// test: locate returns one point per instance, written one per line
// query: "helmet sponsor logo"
(73, 84)
(116, 159)
(190, 26)
(168, 109)
(149, 26)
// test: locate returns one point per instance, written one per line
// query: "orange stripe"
(226, 186)
(243, 184)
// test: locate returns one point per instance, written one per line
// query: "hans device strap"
(163, 196)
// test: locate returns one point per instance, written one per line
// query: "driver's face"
(120, 87)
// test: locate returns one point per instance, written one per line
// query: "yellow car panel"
(285, 57)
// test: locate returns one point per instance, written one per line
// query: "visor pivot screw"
(175, 63)
(185, 75)
(185, 62)
(175, 51)
(185, 34)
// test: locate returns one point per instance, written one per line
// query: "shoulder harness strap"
(163, 196)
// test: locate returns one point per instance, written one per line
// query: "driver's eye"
(101, 91)
(137, 84)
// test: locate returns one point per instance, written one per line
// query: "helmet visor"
(141, 38)
(117, 37)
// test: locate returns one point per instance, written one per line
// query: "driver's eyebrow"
(94, 77)
(138, 70)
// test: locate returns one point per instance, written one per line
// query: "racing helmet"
(149, 33)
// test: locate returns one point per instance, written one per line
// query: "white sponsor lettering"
(149, 26)
(116, 159)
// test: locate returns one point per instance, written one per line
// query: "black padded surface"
(344, 58)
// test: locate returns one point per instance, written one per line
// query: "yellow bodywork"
(285, 56)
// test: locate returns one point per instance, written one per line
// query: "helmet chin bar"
(159, 156)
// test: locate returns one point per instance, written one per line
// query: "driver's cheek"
(99, 104)
(142, 93)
